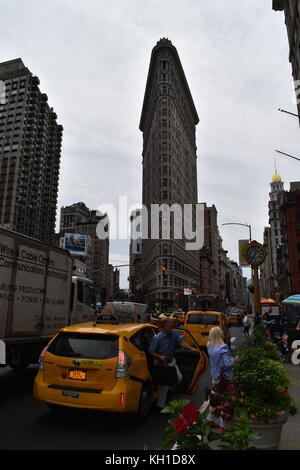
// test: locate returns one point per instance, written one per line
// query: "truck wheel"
(19, 366)
(18, 359)
(144, 404)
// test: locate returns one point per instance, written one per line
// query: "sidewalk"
(290, 437)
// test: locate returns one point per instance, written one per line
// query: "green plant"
(259, 336)
(238, 437)
(271, 351)
(259, 340)
(259, 387)
(187, 428)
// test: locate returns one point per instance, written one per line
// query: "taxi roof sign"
(107, 318)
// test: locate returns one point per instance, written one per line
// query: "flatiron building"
(168, 122)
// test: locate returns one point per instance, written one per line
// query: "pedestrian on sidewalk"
(162, 348)
(220, 360)
(267, 323)
(246, 325)
(251, 318)
(257, 319)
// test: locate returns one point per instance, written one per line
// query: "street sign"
(187, 292)
(242, 246)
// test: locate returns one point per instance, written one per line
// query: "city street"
(27, 423)
(149, 207)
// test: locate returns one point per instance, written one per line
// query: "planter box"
(270, 433)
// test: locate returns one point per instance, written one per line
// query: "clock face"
(255, 254)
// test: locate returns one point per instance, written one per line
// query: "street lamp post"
(244, 225)
(288, 155)
(288, 112)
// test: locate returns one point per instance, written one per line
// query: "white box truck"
(38, 295)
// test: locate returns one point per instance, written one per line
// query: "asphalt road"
(27, 424)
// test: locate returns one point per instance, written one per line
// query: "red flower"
(188, 416)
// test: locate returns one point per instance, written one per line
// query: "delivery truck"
(38, 295)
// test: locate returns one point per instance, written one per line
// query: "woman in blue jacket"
(220, 359)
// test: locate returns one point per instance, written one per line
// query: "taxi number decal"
(92, 363)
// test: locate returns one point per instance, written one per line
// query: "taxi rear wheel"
(58, 409)
(55, 409)
(144, 404)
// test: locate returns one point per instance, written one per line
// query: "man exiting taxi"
(162, 348)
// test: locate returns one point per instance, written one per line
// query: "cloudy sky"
(92, 59)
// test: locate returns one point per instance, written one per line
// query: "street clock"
(255, 253)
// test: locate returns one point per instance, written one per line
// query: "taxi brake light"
(122, 359)
(123, 399)
(41, 358)
(123, 365)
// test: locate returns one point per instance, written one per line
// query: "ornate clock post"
(255, 254)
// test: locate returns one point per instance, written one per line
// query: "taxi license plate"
(77, 374)
(66, 393)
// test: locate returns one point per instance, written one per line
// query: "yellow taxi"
(235, 317)
(106, 366)
(199, 323)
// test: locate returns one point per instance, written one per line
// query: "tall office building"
(30, 150)
(135, 256)
(70, 216)
(168, 123)
(209, 254)
(273, 240)
(291, 10)
(78, 218)
(289, 251)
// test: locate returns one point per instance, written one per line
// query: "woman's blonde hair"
(216, 336)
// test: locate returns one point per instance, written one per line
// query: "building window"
(298, 247)
(298, 231)
(297, 215)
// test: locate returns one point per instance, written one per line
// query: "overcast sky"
(92, 59)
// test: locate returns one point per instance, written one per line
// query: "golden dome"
(276, 178)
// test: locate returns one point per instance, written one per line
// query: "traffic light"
(164, 272)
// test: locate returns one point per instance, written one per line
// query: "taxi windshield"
(203, 319)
